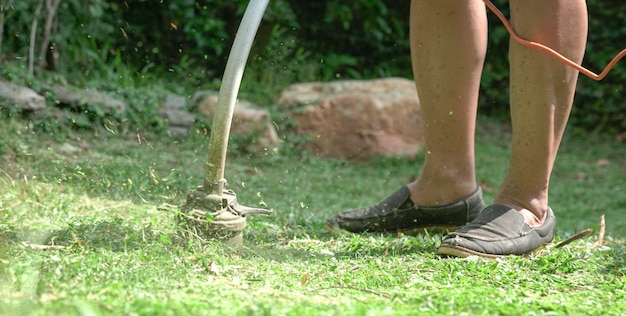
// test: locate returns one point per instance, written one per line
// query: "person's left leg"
(542, 93)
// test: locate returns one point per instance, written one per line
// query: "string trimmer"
(211, 212)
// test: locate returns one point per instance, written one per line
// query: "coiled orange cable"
(551, 51)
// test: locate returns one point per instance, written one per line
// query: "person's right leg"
(448, 46)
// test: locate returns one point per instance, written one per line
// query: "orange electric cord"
(551, 51)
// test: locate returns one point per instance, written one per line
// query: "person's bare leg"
(448, 46)
(542, 92)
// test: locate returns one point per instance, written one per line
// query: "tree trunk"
(4, 5)
(51, 12)
(33, 37)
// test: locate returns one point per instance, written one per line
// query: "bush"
(340, 33)
(598, 105)
(187, 42)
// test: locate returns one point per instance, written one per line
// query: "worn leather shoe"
(498, 231)
(397, 213)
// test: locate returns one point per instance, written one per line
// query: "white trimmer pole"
(211, 212)
(220, 130)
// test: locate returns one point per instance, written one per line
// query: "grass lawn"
(81, 234)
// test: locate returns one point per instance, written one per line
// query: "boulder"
(180, 121)
(173, 111)
(174, 102)
(357, 119)
(79, 97)
(248, 121)
(22, 97)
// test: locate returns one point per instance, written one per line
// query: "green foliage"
(494, 88)
(598, 105)
(185, 44)
(369, 38)
(357, 39)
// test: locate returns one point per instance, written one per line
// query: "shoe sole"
(460, 252)
(463, 252)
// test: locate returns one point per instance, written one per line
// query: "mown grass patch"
(81, 233)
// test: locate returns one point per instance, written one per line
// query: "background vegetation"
(126, 44)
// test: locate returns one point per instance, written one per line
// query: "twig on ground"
(601, 232)
(575, 237)
(43, 247)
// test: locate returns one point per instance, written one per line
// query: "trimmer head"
(208, 216)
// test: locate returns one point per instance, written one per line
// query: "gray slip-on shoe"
(498, 231)
(397, 213)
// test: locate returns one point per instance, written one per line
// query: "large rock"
(22, 97)
(358, 119)
(174, 102)
(180, 121)
(173, 111)
(248, 121)
(80, 97)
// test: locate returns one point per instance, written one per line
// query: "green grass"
(97, 196)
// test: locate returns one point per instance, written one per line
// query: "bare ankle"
(531, 218)
(431, 194)
(534, 213)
